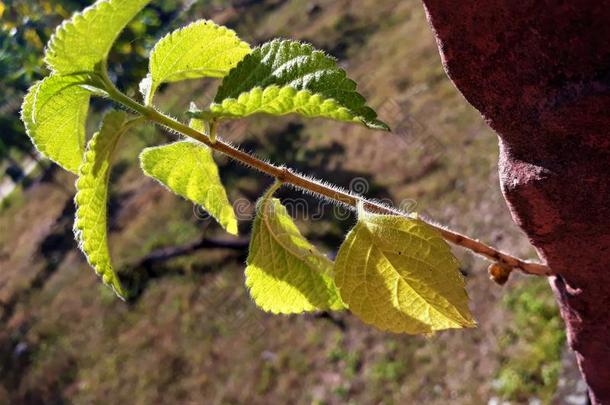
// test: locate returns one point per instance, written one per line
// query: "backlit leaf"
(201, 49)
(398, 274)
(286, 274)
(188, 169)
(82, 42)
(90, 226)
(280, 101)
(259, 82)
(54, 113)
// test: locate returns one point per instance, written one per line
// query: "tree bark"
(539, 73)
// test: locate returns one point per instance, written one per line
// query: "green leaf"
(280, 101)
(81, 43)
(398, 274)
(201, 49)
(54, 113)
(188, 169)
(286, 274)
(260, 82)
(90, 226)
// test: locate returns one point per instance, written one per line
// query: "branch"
(168, 253)
(299, 181)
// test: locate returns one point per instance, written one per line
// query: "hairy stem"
(287, 176)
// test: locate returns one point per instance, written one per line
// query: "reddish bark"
(539, 72)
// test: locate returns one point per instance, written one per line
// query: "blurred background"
(191, 334)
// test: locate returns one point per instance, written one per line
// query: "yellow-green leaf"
(276, 100)
(286, 274)
(82, 42)
(54, 113)
(90, 226)
(398, 274)
(188, 169)
(320, 86)
(201, 49)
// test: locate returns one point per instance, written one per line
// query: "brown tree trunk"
(539, 72)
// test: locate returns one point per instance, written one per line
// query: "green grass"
(14, 199)
(533, 342)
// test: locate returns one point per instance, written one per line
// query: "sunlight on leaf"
(90, 225)
(280, 101)
(54, 113)
(286, 274)
(398, 274)
(188, 169)
(259, 84)
(201, 49)
(82, 42)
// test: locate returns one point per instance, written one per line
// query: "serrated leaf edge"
(231, 228)
(62, 30)
(28, 110)
(261, 209)
(110, 279)
(216, 109)
(149, 85)
(461, 320)
(316, 54)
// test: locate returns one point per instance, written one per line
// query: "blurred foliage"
(533, 342)
(25, 28)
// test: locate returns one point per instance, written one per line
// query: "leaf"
(259, 84)
(280, 101)
(398, 274)
(286, 274)
(201, 49)
(188, 169)
(82, 42)
(90, 226)
(54, 113)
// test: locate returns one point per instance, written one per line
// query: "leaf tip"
(378, 125)
(232, 229)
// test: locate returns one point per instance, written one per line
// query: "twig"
(168, 253)
(299, 181)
